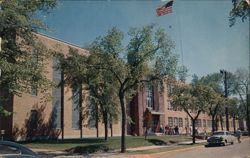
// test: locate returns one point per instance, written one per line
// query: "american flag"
(165, 9)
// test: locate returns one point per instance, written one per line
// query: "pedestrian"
(166, 130)
(161, 129)
(238, 135)
(205, 135)
(176, 130)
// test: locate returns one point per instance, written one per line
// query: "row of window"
(178, 121)
(172, 108)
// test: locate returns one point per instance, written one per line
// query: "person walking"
(238, 135)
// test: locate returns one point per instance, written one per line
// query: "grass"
(164, 149)
(92, 145)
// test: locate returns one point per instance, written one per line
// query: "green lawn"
(90, 145)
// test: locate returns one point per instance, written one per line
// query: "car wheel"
(232, 142)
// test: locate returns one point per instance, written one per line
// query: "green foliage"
(182, 73)
(22, 57)
(240, 86)
(147, 56)
(234, 107)
(240, 9)
(191, 98)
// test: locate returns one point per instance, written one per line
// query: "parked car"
(221, 138)
(14, 150)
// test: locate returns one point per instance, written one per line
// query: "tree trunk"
(62, 104)
(146, 133)
(193, 131)
(96, 121)
(247, 109)
(213, 124)
(123, 110)
(111, 129)
(216, 123)
(80, 110)
(106, 126)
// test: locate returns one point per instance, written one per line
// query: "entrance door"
(156, 123)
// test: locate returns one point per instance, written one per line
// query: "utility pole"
(248, 93)
(224, 73)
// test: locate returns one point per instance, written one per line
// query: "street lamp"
(224, 73)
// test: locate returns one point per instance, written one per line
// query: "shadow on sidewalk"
(157, 142)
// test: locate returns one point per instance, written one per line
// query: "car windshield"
(218, 133)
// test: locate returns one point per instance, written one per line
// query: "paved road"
(238, 150)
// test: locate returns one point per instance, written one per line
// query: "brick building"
(38, 115)
(156, 100)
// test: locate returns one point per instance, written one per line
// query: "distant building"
(156, 100)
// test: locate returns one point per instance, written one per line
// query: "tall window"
(186, 122)
(33, 119)
(198, 123)
(209, 123)
(150, 97)
(56, 96)
(176, 121)
(170, 121)
(180, 122)
(204, 123)
(75, 109)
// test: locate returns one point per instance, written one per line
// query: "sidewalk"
(63, 154)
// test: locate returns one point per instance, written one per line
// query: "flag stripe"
(165, 9)
(162, 11)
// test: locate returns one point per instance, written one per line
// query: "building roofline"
(56, 39)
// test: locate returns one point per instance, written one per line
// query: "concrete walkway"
(63, 154)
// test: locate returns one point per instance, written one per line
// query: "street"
(238, 150)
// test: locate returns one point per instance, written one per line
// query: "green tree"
(241, 9)
(102, 91)
(192, 98)
(234, 109)
(76, 77)
(21, 57)
(182, 73)
(240, 88)
(215, 100)
(147, 53)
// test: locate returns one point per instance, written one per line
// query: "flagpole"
(180, 36)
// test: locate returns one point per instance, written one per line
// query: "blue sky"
(200, 29)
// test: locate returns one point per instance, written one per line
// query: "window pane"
(56, 96)
(180, 122)
(75, 109)
(170, 121)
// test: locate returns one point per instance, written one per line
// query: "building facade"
(38, 115)
(156, 100)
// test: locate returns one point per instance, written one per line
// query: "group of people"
(169, 131)
(175, 131)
